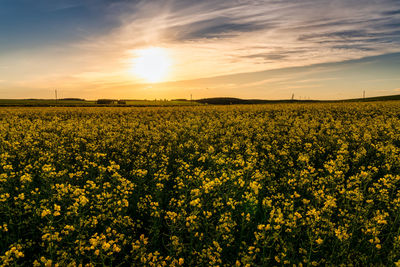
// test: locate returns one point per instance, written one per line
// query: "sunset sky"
(318, 49)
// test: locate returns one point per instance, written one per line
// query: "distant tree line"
(110, 102)
(72, 99)
(236, 101)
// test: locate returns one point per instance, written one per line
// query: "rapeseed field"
(262, 185)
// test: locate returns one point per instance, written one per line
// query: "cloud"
(223, 27)
(206, 38)
(353, 47)
(391, 12)
(237, 36)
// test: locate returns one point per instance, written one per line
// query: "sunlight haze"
(152, 64)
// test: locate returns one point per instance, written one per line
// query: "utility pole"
(292, 97)
(55, 91)
(364, 94)
(191, 99)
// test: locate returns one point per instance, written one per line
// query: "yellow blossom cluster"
(263, 185)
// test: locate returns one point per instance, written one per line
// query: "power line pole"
(55, 91)
(364, 94)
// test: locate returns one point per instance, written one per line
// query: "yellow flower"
(105, 246)
(277, 259)
(116, 248)
(45, 212)
(26, 178)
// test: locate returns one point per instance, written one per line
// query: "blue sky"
(244, 48)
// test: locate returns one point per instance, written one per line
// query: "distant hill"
(72, 99)
(235, 101)
(377, 98)
(75, 102)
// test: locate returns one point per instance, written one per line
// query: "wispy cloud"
(207, 38)
(210, 38)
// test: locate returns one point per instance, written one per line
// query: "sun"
(152, 64)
